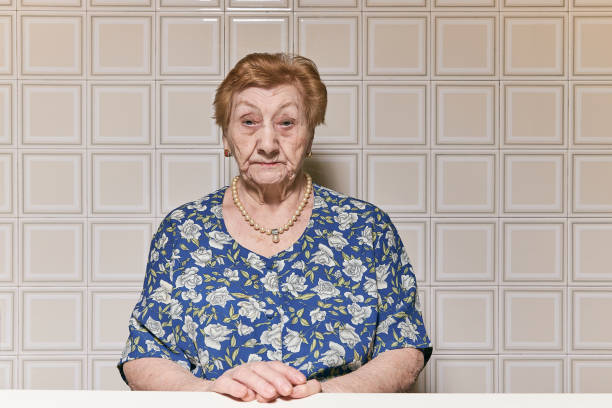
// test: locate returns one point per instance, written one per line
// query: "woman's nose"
(268, 142)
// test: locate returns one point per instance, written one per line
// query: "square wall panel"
(386, 103)
(8, 381)
(592, 3)
(534, 3)
(331, 41)
(465, 114)
(534, 183)
(7, 250)
(591, 375)
(461, 374)
(52, 114)
(187, 176)
(464, 252)
(103, 375)
(60, 33)
(52, 373)
(590, 309)
(591, 255)
(465, 183)
(190, 45)
(6, 44)
(388, 56)
(186, 114)
(534, 114)
(336, 171)
(8, 111)
(119, 251)
(121, 183)
(121, 114)
(464, 45)
(7, 178)
(414, 236)
(533, 252)
(50, 4)
(8, 313)
(465, 320)
(464, 3)
(42, 327)
(592, 190)
(52, 183)
(397, 183)
(182, 4)
(533, 320)
(592, 120)
(120, 4)
(327, 3)
(259, 3)
(534, 45)
(247, 34)
(592, 54)
(121, 45)
(52, 252)
(533, 375)
(342, 117)
(110, 312)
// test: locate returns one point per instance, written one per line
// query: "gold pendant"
(275, 236)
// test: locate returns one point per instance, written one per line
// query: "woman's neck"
(273, 196)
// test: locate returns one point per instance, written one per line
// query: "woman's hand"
(264, 381)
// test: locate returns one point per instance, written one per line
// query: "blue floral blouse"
(343, 293)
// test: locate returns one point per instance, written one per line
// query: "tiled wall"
(483, 126)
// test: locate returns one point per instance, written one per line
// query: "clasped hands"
(264, 381)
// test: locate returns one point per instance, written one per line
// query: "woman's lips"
(267, 164)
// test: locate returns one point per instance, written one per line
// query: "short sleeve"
(151, 325)
(400, 321)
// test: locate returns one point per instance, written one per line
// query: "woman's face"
(268, 134)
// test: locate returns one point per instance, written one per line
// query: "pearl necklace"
(275, 232)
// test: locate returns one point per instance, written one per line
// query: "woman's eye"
(248, 122)
(286, 123)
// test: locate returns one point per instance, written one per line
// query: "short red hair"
(263, 70)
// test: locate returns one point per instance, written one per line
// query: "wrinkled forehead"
(268, 99)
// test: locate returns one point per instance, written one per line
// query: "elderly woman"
(275, 287)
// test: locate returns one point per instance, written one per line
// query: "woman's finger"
(251, 379)
(226, 385)
(292, 374)
(280, 379)
(305, 390)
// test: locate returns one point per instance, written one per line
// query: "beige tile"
(533, 183)
(41, 327)
(121, 45)
(190, 45)
(534, 114)
(336, 171)
(52, 114)
(592, 3)
(327, 3)
(259, 3)
(465, 320)
(6, 251)
(591, 375)
(119, 251)
(7, 320)
(48, 4)
(249, 34)
(186, 177)
(533, 320)
(7, 112)
(51, 45)
(591, 256)
(411, 170)
(465, 114)
(186, 114)
(6, 44)
(121, 183)
(532, 375)
(110, 312)
(119, 3)
(534, 3)
(386, 103)
(103, 375)
(464, 45)
(52, 183)
(330, 41)
(414, 237)
(465, 183)
(464, 3)
(394, 3)
(590, 193)
(459, 375)
(52, 252)
(52, 373)
(213, 4)
(533, 45)
(533, 252)
(121, 114)
(590, 308)
(7, 369)
(6, 182)
(464, 252)
(592, 54)
(342, 117)
(386, 56)
(592, 121)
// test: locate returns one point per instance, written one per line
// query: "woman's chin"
(268, 176)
